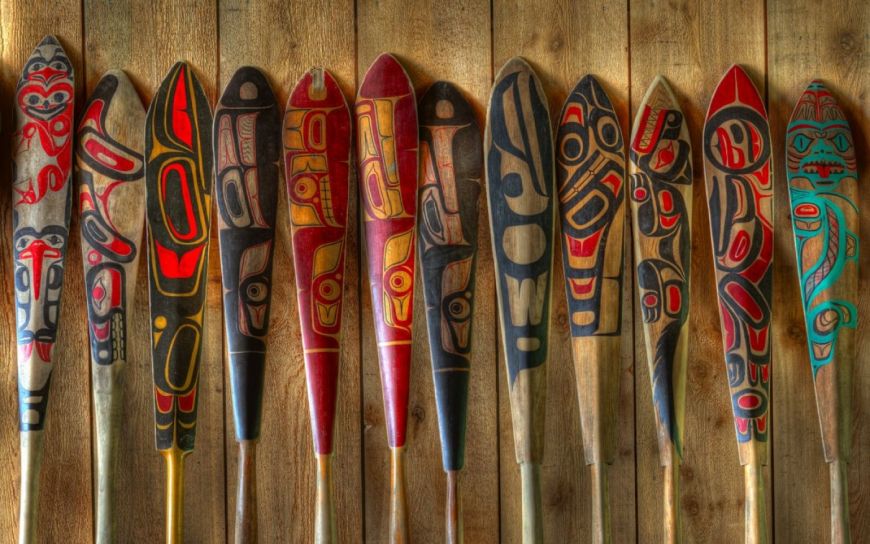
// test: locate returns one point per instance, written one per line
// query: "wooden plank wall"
(783, 43)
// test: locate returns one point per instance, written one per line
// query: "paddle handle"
(671, 483)
(107, 413)
(533, 512)
(325, 531)
(454, 532)
(600, 504)
(174, 495)
(398, 498)
(246, 495)
(755, 509)
(839, 503)
(31, 461)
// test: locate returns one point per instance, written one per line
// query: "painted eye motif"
(37, 66)
(256, 292)
(841, 142)
(459, 309)
(33, 99)
(23, 242)
(801, 143)
(58, 97)
(58, 65)
(400, 281)
(329, 290)
(55, 241)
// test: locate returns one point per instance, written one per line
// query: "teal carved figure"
(822, 176)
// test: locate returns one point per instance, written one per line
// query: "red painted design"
(387, 136)
(317, 139)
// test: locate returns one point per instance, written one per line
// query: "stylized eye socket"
(36, 66)
(55, 240)
(58, 97)
(58, 65)
(33, 99)
(841, 142)
(256, 292)
(801, 143)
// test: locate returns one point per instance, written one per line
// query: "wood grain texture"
(449, 41)
(270, 34)
(806, 41)
(564, 40)
(691, 43)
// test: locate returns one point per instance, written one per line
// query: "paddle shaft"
(31, 461)
(533, 511)
(600, 504)
(755, 510)
(840, 533)
(324, 507)
(246, 496)
(671, 494)
(174, 494)
(398, 498)
(455, 529)
(107, 383)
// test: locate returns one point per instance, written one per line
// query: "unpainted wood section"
(145, 39)
(667, 42)
(285, 40)
(808, 41)
(434, 41)
(65, 497)
(563, 41)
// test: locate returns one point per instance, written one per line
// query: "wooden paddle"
(178, 180)
(110, 172)
(661, 206)
(451, 167)
(823, 186)
(41, 199)
(740, 192)
(518, 147)
(317, 140)
(590, 167)
(247, 149)
(387, 132)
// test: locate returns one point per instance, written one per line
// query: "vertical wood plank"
(285, 40)
(807, 40)
(65, 511)
(145, 39)
(564, 40)
(434, 40)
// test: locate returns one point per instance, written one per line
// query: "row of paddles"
(427, 157)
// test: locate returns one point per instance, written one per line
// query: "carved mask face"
(47, 90)
(38, 281)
